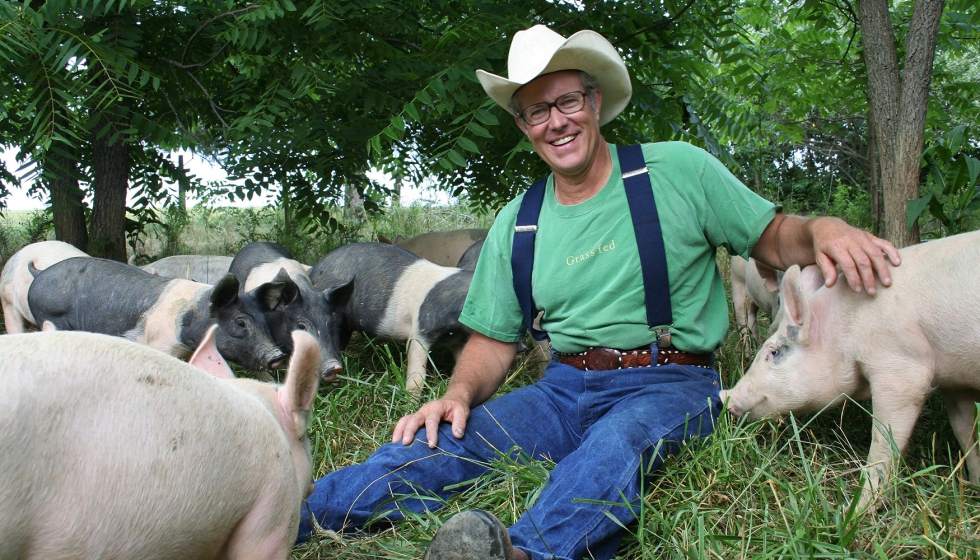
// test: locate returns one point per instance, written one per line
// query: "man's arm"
(829, 242)
(481, 369)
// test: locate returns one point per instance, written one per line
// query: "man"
(606, 428)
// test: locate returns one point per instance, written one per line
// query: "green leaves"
(952, 184)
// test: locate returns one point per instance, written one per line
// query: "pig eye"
(302, 326)
(240, 323)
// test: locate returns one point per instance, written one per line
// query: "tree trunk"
(899, 98)
(874, 180)
(67, 206)
(110, 164)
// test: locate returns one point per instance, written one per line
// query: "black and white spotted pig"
(398, 296)
(169, 314)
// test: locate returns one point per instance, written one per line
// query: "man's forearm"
(785, 242)
(481, 369)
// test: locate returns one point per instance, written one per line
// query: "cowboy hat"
(539, 50)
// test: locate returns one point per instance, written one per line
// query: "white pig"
(110, 449)
(755, 287)
(16, 279)
(920, 334)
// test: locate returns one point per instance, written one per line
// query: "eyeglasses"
(569, 103)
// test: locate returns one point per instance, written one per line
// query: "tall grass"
(755, 490)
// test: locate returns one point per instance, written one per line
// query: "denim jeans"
(604, 430)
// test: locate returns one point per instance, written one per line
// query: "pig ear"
(338, 295)
(290, 290)
(383, 239)
(225, 292)
(812, 278)
(399, 239)
(273, 295)
(796, 306)
(208, 358)
(302, 380)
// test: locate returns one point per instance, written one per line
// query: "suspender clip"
(663, 336)
(635, 172)
(525, 229)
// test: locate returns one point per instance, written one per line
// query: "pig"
(109, 449)
(15, 280)
(169, 314)
(206, 269)
(471, 256)
(920, 334)
(398, 296)
(755, 287)
(441, 247)
(306, 308)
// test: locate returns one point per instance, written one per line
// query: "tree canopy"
(304, 98)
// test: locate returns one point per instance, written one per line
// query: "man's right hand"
(431, 415)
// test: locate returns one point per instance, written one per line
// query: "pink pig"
(920, 334)
(15, 280)
(110, 449)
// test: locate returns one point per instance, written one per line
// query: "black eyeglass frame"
(555, 104)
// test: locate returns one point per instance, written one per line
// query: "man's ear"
(598, 102)
(520, 123)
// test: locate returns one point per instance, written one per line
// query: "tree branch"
(659, 25)
(183, 56)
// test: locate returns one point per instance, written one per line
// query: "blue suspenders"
(649, 239)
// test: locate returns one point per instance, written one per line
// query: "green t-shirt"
(587, 275)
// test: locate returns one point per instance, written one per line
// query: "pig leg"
(745, 309)
(418, 358)
(253, 539)
(961, 408)
(896, 409)
(13, 322)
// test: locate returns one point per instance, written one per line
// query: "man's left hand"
(859, 254)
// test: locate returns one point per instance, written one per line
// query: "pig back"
(934, 292)
(375, 269)
(928, 314)
(96, 295)
(114, 450)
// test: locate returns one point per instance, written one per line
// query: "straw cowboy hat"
(539, 50)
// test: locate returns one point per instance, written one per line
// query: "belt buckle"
(603, 359)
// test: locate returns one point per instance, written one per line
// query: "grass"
(756, 490)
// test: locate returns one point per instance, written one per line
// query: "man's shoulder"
(666, 152)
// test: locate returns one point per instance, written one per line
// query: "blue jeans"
(604, 429)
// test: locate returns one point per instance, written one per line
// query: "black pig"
(305, 309)
(169, 314)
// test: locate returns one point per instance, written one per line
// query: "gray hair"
(588, 81)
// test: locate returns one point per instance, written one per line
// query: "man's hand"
(859, 254)
(830, 243)
(431, 415)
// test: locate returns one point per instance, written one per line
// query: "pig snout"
(279, 360)
(330, 372)
(729, 402)
(751, 404)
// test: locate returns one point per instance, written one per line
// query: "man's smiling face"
(567, 143)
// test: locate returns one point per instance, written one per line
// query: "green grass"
(756, 490)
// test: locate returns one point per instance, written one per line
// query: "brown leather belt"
(601, 359)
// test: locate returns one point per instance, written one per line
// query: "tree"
(899, 97)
